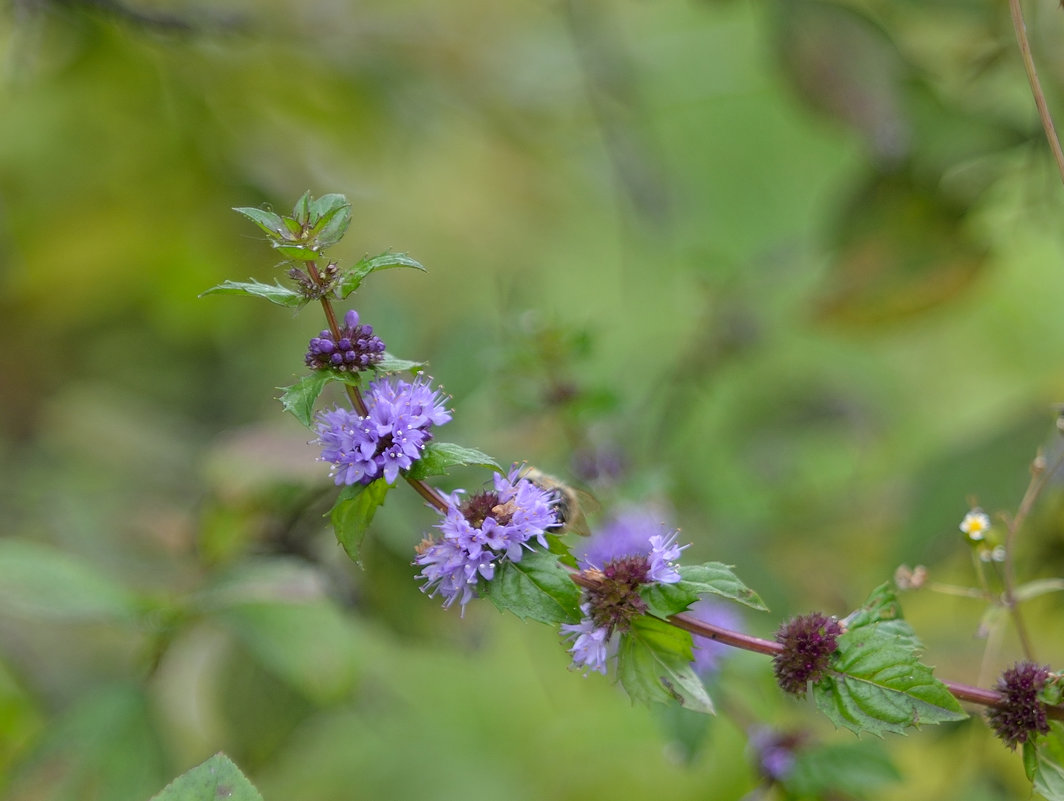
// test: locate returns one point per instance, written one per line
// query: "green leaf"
(214, 779)
(39, 581)
(1032, 589)
(439, 457)
(654, 665)
(298, 252)
(711, 578)
(353, 512)
(883, 610)
(266, 220)
(878, 685)
(300, 398)
(1044, 762)
(301, 211)
(850, 769)
(537, 587)
(307, 643)
(275, 293)
(353, 277)
(390, 364)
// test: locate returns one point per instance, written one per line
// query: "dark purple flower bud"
(808, 642)
(356, 348)
(1022, 715)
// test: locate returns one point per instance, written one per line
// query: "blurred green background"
(790, 270)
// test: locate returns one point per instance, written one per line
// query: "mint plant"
(622, 600)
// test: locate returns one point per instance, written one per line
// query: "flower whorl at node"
(389, 438)
(357, 347)
(500, 523)
(612, 605)
(808, 642)
(1022, 715)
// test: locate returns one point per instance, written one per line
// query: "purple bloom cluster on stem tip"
(495, 524)
(628, 553)
(1022, 715)
(357, 347)
(389, 438)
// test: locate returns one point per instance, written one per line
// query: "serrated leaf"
(654, 666)
(216, 778)
(390, 364)
(883, 610)
(438, 457)
(39, 581)
(1044, 762)
(300, 398)
(536, 588)
(878, 685)
(711, 578)
(266, 220)
(353, 512)
(275, 293)
(353, 277)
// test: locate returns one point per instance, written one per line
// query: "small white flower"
(975, 525)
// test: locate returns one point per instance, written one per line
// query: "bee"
(569, 503)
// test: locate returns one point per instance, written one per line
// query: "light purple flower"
(589, 642)
(490, 526)
(388, 439)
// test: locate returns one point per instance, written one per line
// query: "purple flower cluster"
(357, 347)
(808, 642)
(627, 556)
(495, 524)
(1022, 716)
(389, 438)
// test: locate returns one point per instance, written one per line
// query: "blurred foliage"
(791, 269)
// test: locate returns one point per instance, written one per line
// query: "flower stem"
(1020, 27)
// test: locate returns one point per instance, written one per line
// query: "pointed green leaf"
(214, 779)
(537, 587)
(654, 665)
(275, 293)
(43, 582)
(878, 685)
(353, 512)
(1044, 762)
(353, 277)
(301, 211)
(300, 398)
(390, 364)
(298, 252)
(331, 228)
(266, 220)
(711, 578)
(439, 457)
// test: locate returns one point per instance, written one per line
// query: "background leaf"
(214, 779)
